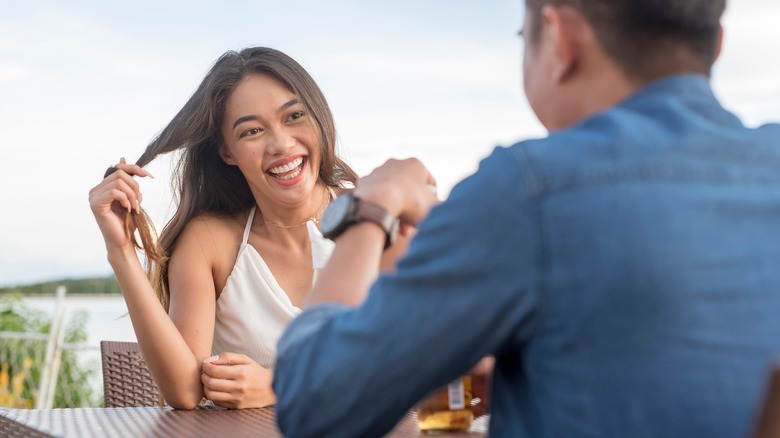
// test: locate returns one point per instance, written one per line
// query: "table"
(167, 422)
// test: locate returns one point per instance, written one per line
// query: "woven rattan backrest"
(126, 379)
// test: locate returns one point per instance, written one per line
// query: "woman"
(233, 265)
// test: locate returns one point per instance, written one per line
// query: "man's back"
(660, 285)
(622, 271)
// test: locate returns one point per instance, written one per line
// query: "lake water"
(106, 315)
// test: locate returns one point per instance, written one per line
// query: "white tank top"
(253, 310)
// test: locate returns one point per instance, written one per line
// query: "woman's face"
(272, 139)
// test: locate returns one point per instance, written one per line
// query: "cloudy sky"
(85, 82)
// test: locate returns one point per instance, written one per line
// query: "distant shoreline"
(82, 287)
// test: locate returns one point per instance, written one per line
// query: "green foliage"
(24, 358)
(14, 317)
(15, 352)
(73, 389)
(103, 285)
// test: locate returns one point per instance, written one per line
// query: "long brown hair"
(202, 181)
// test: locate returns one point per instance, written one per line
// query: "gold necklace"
(315, 219)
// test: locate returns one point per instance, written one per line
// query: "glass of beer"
(447, 409)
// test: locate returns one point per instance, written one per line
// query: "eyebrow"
(249, 117)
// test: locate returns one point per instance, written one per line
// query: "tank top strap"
(332, 193)
(248, 226)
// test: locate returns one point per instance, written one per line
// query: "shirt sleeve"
(468, 287)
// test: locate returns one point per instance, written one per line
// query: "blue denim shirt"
(625, 273)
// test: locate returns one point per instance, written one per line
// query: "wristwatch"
(347, 210)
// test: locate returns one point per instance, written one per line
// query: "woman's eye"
(296, 115)
(249, 132)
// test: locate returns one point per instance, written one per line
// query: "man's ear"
(565, 27)
(718, 44)
(224, 153)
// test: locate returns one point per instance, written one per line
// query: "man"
(623, 271)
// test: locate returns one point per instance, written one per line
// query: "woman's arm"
(174, 364)
(191, 311)
(172, 346)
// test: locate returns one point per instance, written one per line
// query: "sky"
(83, 83)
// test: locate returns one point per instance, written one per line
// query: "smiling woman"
(233, 265)
(268, 120)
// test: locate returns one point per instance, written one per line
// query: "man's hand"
(235, 381)
(405, 188)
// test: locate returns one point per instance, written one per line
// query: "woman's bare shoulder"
(218, 222)
(213, 230)
(211, 241)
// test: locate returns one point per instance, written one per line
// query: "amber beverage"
(447, 408)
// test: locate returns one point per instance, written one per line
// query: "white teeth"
(289, 175)
(287, 167)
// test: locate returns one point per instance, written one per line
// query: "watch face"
(335, 215)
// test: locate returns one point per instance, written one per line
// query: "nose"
(282, 141)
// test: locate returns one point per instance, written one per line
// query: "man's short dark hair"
(648, 38)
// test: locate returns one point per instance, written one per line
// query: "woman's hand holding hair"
(117, 194)
(235, 381)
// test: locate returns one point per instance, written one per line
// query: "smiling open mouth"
(289, 170)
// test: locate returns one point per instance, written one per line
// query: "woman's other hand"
(481, 379)
(392, 255)
(235, 381)
(116, 194)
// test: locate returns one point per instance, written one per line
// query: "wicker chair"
(126, 379)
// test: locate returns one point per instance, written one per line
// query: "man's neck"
(592, 93)
(604, 89)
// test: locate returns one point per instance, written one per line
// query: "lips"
(289, 170)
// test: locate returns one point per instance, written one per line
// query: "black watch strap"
(368, 211)
(347, 210)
